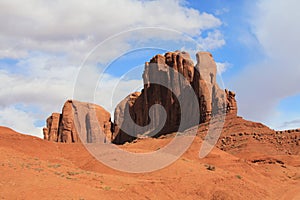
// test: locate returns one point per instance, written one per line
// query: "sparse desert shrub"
(38, 169)
(72, 173)
(239, 176)
(210, 167)
(54, 166)
(107, 188)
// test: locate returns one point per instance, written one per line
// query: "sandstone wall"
(176, 71)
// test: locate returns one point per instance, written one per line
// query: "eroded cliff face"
(167, 81)
(188, 93)
(79, 122)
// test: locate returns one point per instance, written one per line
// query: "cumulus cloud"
(20, 121)
(75, 26)
(261, 86)
(38, 78)
(49, 41)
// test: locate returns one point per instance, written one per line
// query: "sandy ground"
(32, 168)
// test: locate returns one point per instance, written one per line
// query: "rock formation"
(50, 133)
(79, 122)
(120, 122)
(231, 103)
(167, 78)
(177, 95)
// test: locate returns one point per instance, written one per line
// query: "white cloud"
(277, 27)
(213, 40)
(19, 120)
(75, 27)
(222, 67)
(41, 80)
(261, 86)
(51, 39)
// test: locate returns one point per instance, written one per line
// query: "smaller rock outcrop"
(79, 122)
(50, 133)
(231, 103)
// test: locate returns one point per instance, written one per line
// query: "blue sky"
(46, 53)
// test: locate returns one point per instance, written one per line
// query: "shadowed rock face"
(120, 121)
(79, 122)
(177, 75)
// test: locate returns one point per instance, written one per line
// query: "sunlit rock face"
(79, 122)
